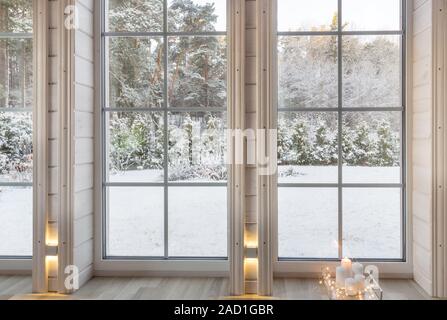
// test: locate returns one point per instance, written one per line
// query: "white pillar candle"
(351, 287)
(360, 282)
(347, 265)
(357, 268)
(340, 277)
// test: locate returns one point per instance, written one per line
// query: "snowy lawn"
(308, 218)
(197, 222)
(16, 217)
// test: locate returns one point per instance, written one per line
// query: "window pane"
(16, 221)
(197, 15)
(372, 15)
(16, 73)
(134, 15)
(135, 72)
(305, 15)
(197, 147)
(135, 222)
(307, 68)
(135, 146)
(372, 223)
(372, 147)
(16, 16)
(308, 147)
(308, 223)
(198, 222)
(197, 72)
(372, 71)
(16, 147)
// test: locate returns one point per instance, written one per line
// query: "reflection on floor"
(17, 287)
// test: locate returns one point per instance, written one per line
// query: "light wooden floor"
(15, 287)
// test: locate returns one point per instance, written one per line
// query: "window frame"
(19, 262)
(103, 260)
(285, 264)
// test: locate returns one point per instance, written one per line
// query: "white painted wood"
(84, 98)
(423, 142)
(250, 17)
(250, 41)
(83, 254)
(421, 42)
(83, 107)
(83, 230)
(250, 70)
(266, 120)
(85, 18)
(422, 202)
(40, 275)
(84, 151)
(440, 96)
(84, 46)
(85, 75)
(422, 17)
(418, 3)
(83, 204)
(83, 124)
(236, 112)
(250, 98)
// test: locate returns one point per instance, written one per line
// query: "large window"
(16, 129)
(341, 103)
(164, 118)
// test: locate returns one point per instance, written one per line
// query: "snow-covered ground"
(329, 174)
(197, 222)
(16, 217)
(308, 218)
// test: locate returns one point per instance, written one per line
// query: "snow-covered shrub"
(311, 141)
(385, 152)
(16, 144)
(324, 150)
(136, 142)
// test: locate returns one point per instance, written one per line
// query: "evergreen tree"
(362, 146)
(300, 143)
(324, 150)
(348, 146)
(386, 154)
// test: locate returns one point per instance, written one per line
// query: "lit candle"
(357, 268)
(340, 277)
(347, 265)
(351, 287)
(360, 282)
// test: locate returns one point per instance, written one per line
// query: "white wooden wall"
(422, 143)
(83, 138)
(68, 209)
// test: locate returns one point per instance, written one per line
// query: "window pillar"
(64, 91)
(236, 181)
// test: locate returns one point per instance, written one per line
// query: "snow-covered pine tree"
(385, 153)
(324, 150)
(362, 146)
(300, 143)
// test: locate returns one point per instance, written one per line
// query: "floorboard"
(114, 288)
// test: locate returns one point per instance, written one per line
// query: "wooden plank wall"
(83, 140)
(422, 143)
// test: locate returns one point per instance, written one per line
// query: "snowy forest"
(16, 63)
(197, 79)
